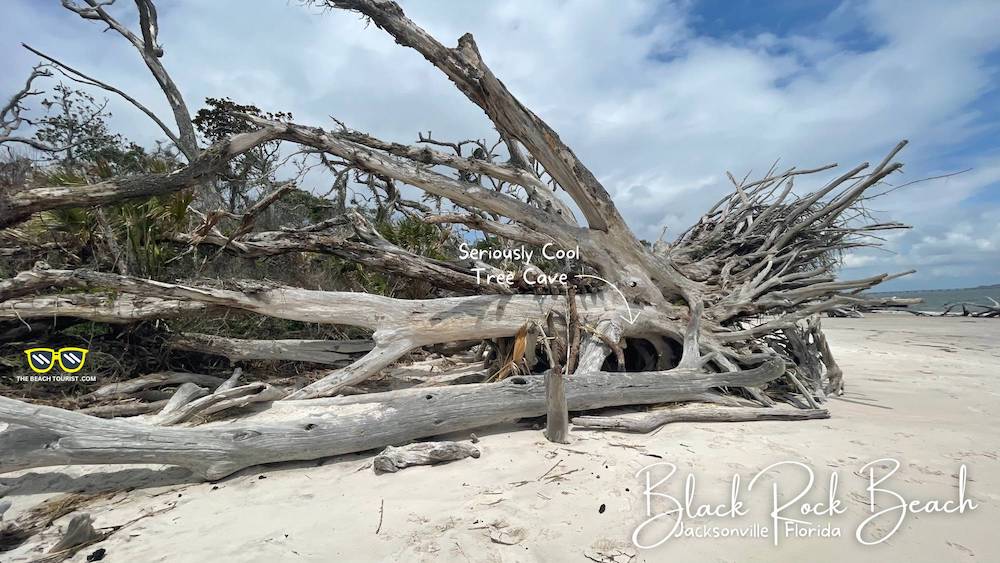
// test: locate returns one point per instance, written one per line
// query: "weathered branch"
(693, 412)
(415, 174)
(18, 206)
(509, 231)
(130, 387)
(222, 399)
(150, 52)
(466, 69)
(76, 75)
(503, 172)
(119, 309)
(238, 349)
(11, 119)
(39, 436)
(356, 246)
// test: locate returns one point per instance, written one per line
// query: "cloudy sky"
(659, 99)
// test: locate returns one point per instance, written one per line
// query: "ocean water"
(937, 299)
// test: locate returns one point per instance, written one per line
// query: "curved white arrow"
(630, 318)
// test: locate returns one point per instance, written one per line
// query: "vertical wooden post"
(557, 411)
(557, 414)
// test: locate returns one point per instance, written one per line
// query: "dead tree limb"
(239, 349)
(192, 405)
(152, 381)
(357, 241)
(124, 308)
(19, 205)
(38, 436)
(11, 118)
(77, 76)
(693, 412)
(146, 45)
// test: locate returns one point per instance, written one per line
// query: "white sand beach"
(919, 390)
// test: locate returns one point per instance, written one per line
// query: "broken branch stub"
(393, 459)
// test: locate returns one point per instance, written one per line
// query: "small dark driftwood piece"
(393, 459)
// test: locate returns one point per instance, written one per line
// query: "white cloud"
(858, 260)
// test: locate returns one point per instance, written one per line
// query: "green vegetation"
(136, 238)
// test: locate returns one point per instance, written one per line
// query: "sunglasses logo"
(70, 360)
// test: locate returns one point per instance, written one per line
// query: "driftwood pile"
(960, 308)
(979, 310)
(724, 318)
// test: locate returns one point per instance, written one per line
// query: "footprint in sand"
(610, 551)
(926, 470)
(961, 548)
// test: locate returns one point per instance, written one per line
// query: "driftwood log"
(693, 412)
(392, 459)
(38, 436)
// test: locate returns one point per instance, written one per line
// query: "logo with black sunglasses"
(70, 360)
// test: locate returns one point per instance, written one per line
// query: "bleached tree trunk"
(39, 436)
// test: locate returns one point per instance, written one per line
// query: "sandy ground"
(919, 390)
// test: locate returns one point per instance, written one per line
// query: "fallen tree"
(39, 436)
(730, 305)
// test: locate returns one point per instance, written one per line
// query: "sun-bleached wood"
(693, 412)
(38, 435)
(241, 349)
(392, 459)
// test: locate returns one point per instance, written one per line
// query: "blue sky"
(659, 99)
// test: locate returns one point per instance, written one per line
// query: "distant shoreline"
(935, 300)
